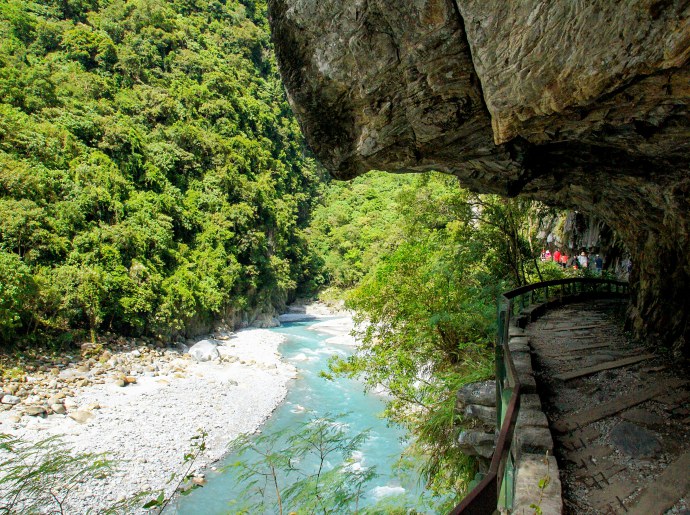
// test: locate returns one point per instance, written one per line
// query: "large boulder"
(582, 105)
(204, 350)
(482, 393)
(81, 416)
(265, 321)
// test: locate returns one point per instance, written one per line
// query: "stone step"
(611, 497)
(664, 491)
(579, 439)
(571, 350)
(578, 327)
(644, 418)
(599, 475)
(674, 399)
(588, 456)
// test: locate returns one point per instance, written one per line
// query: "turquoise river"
(310, 396)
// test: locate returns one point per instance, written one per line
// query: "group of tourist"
(582, 261)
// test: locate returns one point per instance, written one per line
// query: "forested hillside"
(152, 177)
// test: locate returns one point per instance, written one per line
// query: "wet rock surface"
(635, 441)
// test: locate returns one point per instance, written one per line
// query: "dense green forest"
(152, 176)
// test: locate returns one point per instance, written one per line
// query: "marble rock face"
(578, 104)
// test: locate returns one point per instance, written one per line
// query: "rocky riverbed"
(142, 404)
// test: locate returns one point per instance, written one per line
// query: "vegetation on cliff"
(152, 176)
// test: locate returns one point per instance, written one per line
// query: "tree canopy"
(152, 176)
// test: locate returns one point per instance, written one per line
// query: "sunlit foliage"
(152, 176)
(423, 261)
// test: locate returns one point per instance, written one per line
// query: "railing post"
(506, 328)
(502, 316)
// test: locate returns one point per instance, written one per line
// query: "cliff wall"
(577, 104)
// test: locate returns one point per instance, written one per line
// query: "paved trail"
(619, 413)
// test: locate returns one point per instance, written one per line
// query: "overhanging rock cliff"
(578, 104)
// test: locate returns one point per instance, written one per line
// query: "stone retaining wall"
(537, 480)
(532, 444)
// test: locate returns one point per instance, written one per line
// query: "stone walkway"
(618, 412)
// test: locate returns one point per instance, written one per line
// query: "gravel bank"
(147, 425)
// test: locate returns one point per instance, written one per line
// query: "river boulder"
(204, 350)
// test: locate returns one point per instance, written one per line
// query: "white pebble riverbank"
(147, 427)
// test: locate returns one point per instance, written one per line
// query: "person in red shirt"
(557, 256)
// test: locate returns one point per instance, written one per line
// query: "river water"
(310, 396)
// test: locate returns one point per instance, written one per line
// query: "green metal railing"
(497, 488)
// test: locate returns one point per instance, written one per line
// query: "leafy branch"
(40, 476)
(292, 470)
(542, 485)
